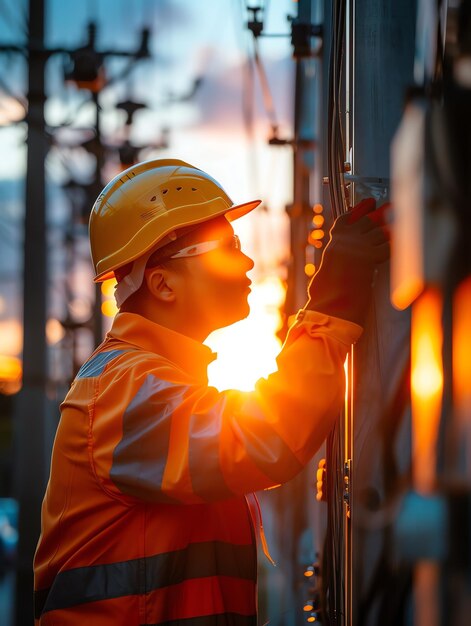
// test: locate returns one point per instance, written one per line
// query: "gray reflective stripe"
(265, 446)
(96, 365)
(222, 619)
(138, 576)
(140, 457)
(206, 475)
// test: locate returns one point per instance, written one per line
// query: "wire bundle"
(335, 543)
(335, 144)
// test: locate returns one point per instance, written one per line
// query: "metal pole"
(31, 406)
(100, 159)
(349, 422)
(303, 161)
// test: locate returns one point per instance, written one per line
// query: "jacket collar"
(190, 355)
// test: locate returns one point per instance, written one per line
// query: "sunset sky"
(190, 40)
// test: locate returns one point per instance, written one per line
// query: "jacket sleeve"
(188, 443)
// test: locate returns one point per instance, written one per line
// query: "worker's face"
(215, 286)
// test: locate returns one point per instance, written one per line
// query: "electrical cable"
(248, 113)
(335, 143)
(333, 580)
(267, 96)
(264, 84)
(248, 98)
(336, 152)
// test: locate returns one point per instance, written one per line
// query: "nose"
(228, 264)
(248, 262)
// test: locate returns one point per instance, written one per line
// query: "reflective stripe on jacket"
(144, 520)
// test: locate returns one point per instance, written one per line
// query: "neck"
(168, 315)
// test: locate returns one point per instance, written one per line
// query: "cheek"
(226, 300)
(223, 292)
(214, 291)
(224, 266)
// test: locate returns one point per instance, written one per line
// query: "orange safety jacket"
(145, 519)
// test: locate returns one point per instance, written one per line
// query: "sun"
(248, 349)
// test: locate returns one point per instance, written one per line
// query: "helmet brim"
(241, 209)
(232, 213)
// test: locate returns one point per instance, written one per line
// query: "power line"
(265, 86)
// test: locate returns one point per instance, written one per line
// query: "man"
(146, 519)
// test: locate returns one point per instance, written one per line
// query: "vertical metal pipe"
(31, 405)
(349, 400)
(97, 314)
(304, 130)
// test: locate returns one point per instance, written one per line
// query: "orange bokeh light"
(107, 287)
(109, 308)
(462, 349)
(55, 332)
(10, 367)
(11, 371)
(426, 385)
(309, 269)
(316, 234)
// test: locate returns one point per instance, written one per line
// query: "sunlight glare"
(462, 348)
(248, 350)
(11, 370)
(426, 385)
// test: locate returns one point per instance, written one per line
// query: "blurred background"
(130, 82)
(311, 106)
(107, 84)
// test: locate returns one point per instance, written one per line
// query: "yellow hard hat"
(142, 207)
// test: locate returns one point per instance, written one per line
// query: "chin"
(242, 313)
(235, 316)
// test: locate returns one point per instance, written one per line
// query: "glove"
(359, 241)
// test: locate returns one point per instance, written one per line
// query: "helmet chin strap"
(132, 281)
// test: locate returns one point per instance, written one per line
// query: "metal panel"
(383, 55)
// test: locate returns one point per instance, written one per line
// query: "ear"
(160, 284)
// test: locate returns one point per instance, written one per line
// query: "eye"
(230, 243)
(233, 243)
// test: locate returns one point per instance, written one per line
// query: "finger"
(360, 210)
(364, 225)
(380, 215)
(377, 236)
